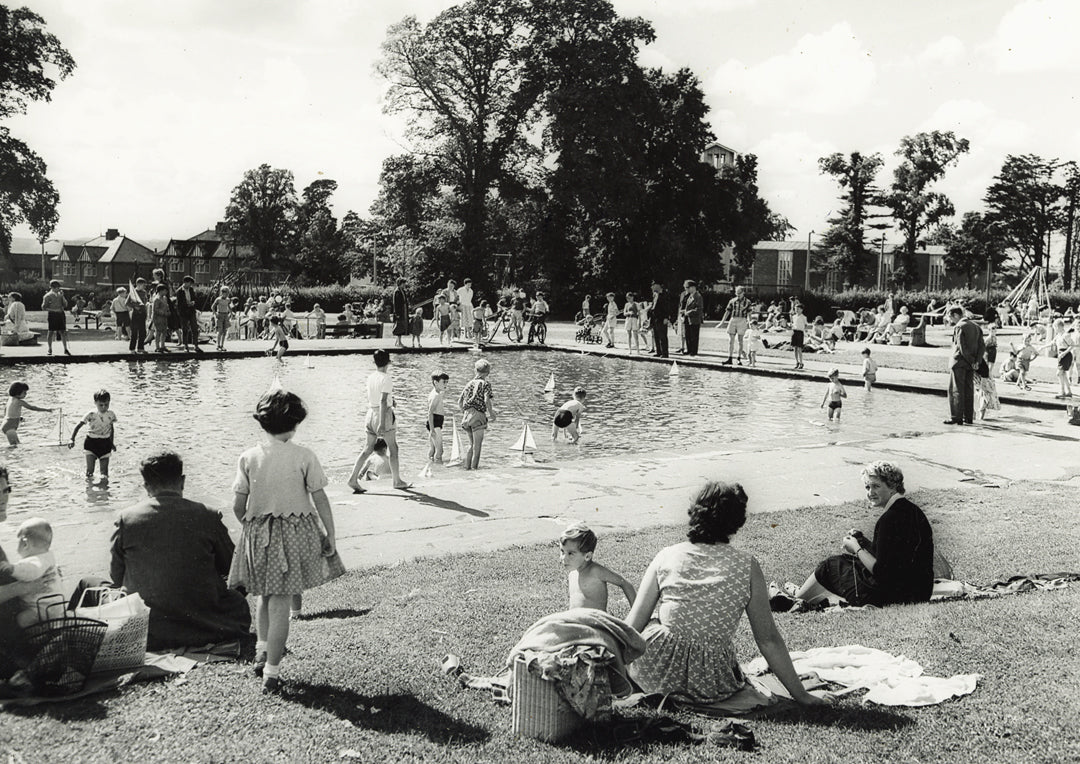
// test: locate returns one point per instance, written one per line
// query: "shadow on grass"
(392, 714)
(78, 710)
(433, 501)
(337, 613)
(843, 715)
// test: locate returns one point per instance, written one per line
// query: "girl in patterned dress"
(283, 549)
(702, 587)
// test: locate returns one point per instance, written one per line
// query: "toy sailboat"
(455, 447)
(674, 371)
(310, 364)
(275, 385)
(550, 386)
(133, 296)
(60, 434)
(525, 444)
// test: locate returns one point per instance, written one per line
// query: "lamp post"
(806, 279)
(43, 243)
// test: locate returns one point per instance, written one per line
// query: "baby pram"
(587, 330)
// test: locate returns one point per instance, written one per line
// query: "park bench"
(361, 331)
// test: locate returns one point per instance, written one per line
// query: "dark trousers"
(189, 329)
(962, 394)
(138, 330)
(693, 333)
(659, 333)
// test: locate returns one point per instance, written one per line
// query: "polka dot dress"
(282, 555)
(704, 590)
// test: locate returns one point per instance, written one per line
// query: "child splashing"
(100, 429)
(16, 403)
(280, 497)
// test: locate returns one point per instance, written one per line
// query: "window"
(783, 269)
(105, 272)
(175, 265)
(937, 272)
(832, 280)
(89, 270)
(202, 266)
(69, 269)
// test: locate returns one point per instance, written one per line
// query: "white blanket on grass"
(890, 680)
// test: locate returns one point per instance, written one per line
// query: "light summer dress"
(704, 590)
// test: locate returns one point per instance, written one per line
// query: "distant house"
(106, 261)
(719, 155)
(780, 266)
(211, 257)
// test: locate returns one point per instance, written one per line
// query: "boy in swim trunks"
(588, 580)
(98, 445)
(16, 403)
(380, 420)
(834, 394)
(54, 303)
(436, 415)
(442, 316)
(568, 417)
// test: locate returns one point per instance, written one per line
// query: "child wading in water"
(834, 394)
(436, 415)
(588, 580)
(281, 339)
(869, 368)
(476, 407)
(287, 544)
(568, 417)
(98, 445)
(16, 403)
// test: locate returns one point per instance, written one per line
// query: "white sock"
(260, 647)
(271, 671)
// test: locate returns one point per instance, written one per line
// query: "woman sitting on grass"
(703, 586)
(896, 567)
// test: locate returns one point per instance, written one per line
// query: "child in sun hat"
(287, 543)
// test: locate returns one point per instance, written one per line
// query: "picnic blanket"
(155, 666)
(890, 680)
(945, 590)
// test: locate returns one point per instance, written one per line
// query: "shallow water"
(202, 409)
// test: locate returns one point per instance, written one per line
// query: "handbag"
(128, 621)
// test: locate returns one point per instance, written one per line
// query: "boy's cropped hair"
(102, 395)
(379, 446)
(579, 392)
(834, 372)
(582, 535)
(17, 389)
(440, 376)
(381, 357)
(162, 469)
(866, 351)
(37, 529)
(279, 411)
(482, 366)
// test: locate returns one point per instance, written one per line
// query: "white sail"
(455, 447)
(674, 371)
(275, 385)
(133, 296)
(525, 443)
(550, 386)
(60, 435)
(310, 363)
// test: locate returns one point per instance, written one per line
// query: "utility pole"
(806, 280)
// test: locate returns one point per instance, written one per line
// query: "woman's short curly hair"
(887, 472)
(717, 512)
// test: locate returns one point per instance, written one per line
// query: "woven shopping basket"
(64, 649)
(538, 711)
(128, 619)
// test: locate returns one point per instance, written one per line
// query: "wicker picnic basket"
(64, 649)
(537, 710)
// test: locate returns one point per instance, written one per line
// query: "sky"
(172, 101)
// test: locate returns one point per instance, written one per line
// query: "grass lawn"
(364, 671)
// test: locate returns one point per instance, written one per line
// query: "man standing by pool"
(692, 312)
(660, 313)
(55, 304)
(465, 294)
(967, 349)
(737, 315)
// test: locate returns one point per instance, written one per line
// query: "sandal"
(451, 665)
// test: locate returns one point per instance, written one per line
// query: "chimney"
(111, 234)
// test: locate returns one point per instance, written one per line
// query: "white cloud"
(980, 124)
(651, 56)
(945, 51)
(789, 178)
(822, 74)
(1037, 36)
(677, 8)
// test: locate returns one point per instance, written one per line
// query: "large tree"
(1025, 200)
(845, 240)
(319, 242)
(262, 213)
(969, 247)
(30, 60)
(924, 158)
(463, 83)
(1070, 189)
(746, 217)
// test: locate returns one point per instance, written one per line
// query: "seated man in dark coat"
(176, 553)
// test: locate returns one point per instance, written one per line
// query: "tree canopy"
(845, 240)
(1025, 200)
(30, 57)
(262, 213)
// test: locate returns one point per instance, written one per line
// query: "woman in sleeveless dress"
(702, 587)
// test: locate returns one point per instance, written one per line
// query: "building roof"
(783, 246)
(91, 252)
(715, 145)
(126, 250)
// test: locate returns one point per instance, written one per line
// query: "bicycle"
(538, 329)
